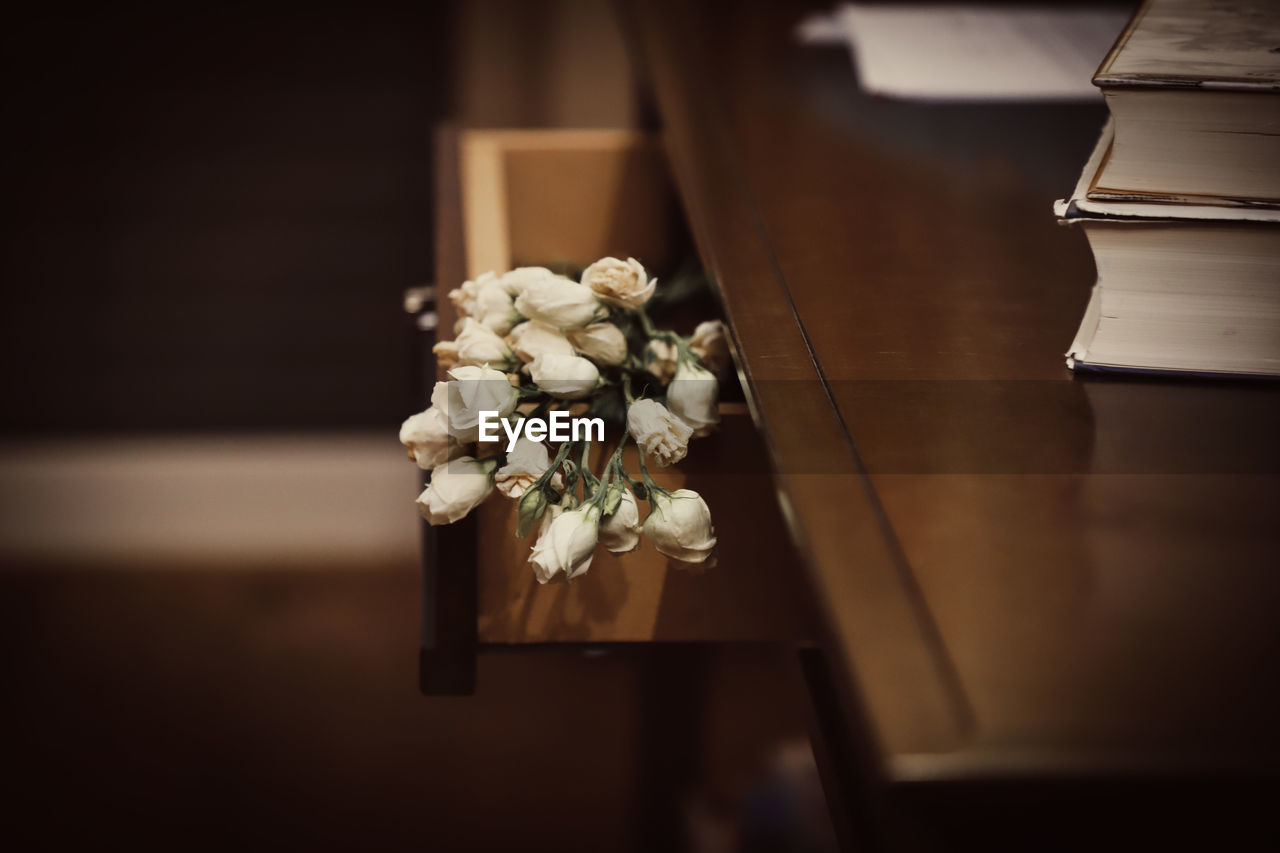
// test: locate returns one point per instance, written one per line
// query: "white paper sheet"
(973, 53)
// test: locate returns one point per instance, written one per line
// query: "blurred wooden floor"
(210, 709)
(215, 709)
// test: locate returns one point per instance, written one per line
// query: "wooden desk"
(1023, 574)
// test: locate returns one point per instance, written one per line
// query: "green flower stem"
(646, 324)
(616, 458)
(653, 332)
(618, 470)
(616, 461)
(590, 485)
(541, 482)
(649, 485)
(601, 498)
(569, 451)
(607, 497)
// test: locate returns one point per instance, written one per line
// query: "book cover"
(1207, 44)
(1084, 205)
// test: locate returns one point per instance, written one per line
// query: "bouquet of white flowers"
(536, 356)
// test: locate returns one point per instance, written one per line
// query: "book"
(1181, 288)
(1194, 88)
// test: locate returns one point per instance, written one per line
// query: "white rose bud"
(473, 390)
(622, 283)
(661, 358)
(566, 545)
(559, 303)
(487, 301)
(531, 339)
(620, 532)
(692, 396)
(603, 343)
(662, 436)
(530, 507)
(518, 279)
(426, 435)
(463, 297)
(455, 489)
(711, 345)
(679, 526)
(446, 353)
(496, 310)
(479, 345)
(549, 511)
(568, 377)
(527, 462)
(553, 512)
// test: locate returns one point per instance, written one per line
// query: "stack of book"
(1180, 199)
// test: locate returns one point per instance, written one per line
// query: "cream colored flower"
(480, 345)
(446, 353)
(528, 461)
(531, 339)
(679, 526)
(473, 390)
(566, 545)
(603, 343)
(662, 436)
(486, 301)
(554, 511)
(568, 377)
(426, 435)
(622, 283)
(560, 303)
(455, 489)
(463, 296)
(692, 397)
(661, 358)
(620, 532)
(518, 279)
(710, 344)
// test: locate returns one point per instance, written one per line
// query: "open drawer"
(565, 198)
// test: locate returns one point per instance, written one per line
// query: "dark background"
(211, 212)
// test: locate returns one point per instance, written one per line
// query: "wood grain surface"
(1021, 572)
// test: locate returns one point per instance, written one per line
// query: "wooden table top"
(1021, 571)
